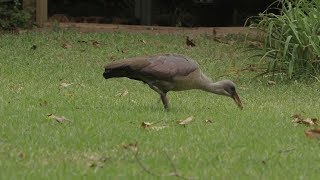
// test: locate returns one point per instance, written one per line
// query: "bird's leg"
(163, 96)
(164, 100)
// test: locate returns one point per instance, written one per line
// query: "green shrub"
(292, 38)
(12, 16)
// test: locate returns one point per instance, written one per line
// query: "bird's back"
(168, 66)
(162, 70)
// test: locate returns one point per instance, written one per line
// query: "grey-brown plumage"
(169, 72)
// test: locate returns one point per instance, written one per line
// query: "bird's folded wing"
(169, 66)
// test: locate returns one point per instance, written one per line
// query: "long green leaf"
(286, 45)
(292, 40)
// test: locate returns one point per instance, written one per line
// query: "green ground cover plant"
(44, 74)
(292, 41)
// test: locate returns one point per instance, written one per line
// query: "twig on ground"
(143, 166)
(174, 173)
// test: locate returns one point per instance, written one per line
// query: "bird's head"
(228, 88)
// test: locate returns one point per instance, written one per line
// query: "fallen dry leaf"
(57, 118)
(96, 43)
(20, 31)
(82, 41)
(34, 47)
(131, 146)
(186, 121)
(124, 51)
(297, 116)
(145, 124)
(208, 121)
(21, 154)
(306, 121)
(312, 133)
(254, 44)
(190, 42)
(148, 125)
(64, 85)
(43, 103)
(311, 121)
(66, 46)
(111, 57)
(68, 94)
(143, 41)
(157, 128)
(96, 161)
(122, 94)
(271, 83)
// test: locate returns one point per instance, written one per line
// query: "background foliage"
(292, 38)
(12, 16)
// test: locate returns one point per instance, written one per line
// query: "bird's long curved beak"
(236, 98)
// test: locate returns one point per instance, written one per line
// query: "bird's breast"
(190, 81)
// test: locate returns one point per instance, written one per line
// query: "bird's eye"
(232, 89)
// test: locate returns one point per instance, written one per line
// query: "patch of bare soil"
(210, 31)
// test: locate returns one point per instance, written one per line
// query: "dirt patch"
(210, 31)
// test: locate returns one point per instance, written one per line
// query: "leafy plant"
(292, 38)
(12, 16)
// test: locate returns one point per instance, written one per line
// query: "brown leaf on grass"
(157, 128)
(190, 42)
(145, 124)
(306, 121)
(66, 46)
(43, 103)
(131, 146)
(208, 121)
(82, 41)
(96, 43)
(61, 119)
(148, 125)
(34, 47)
(64, 85)
(143, 41)
(254, 44)
(271, 83)
(21, 154)
(124, 51)
(186, 121)
(20, 31)
(96, 161)
(112, 57)
(312, 133)
(122, 94)
(68, 94)
(297, 116)
(311, 121)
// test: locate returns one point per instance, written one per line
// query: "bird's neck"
(208, 85)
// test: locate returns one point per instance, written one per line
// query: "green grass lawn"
(258, 142)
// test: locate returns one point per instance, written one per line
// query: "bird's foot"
(166, 109)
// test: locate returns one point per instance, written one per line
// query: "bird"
(169, 72)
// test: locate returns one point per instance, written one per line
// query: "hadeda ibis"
(169, 72)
